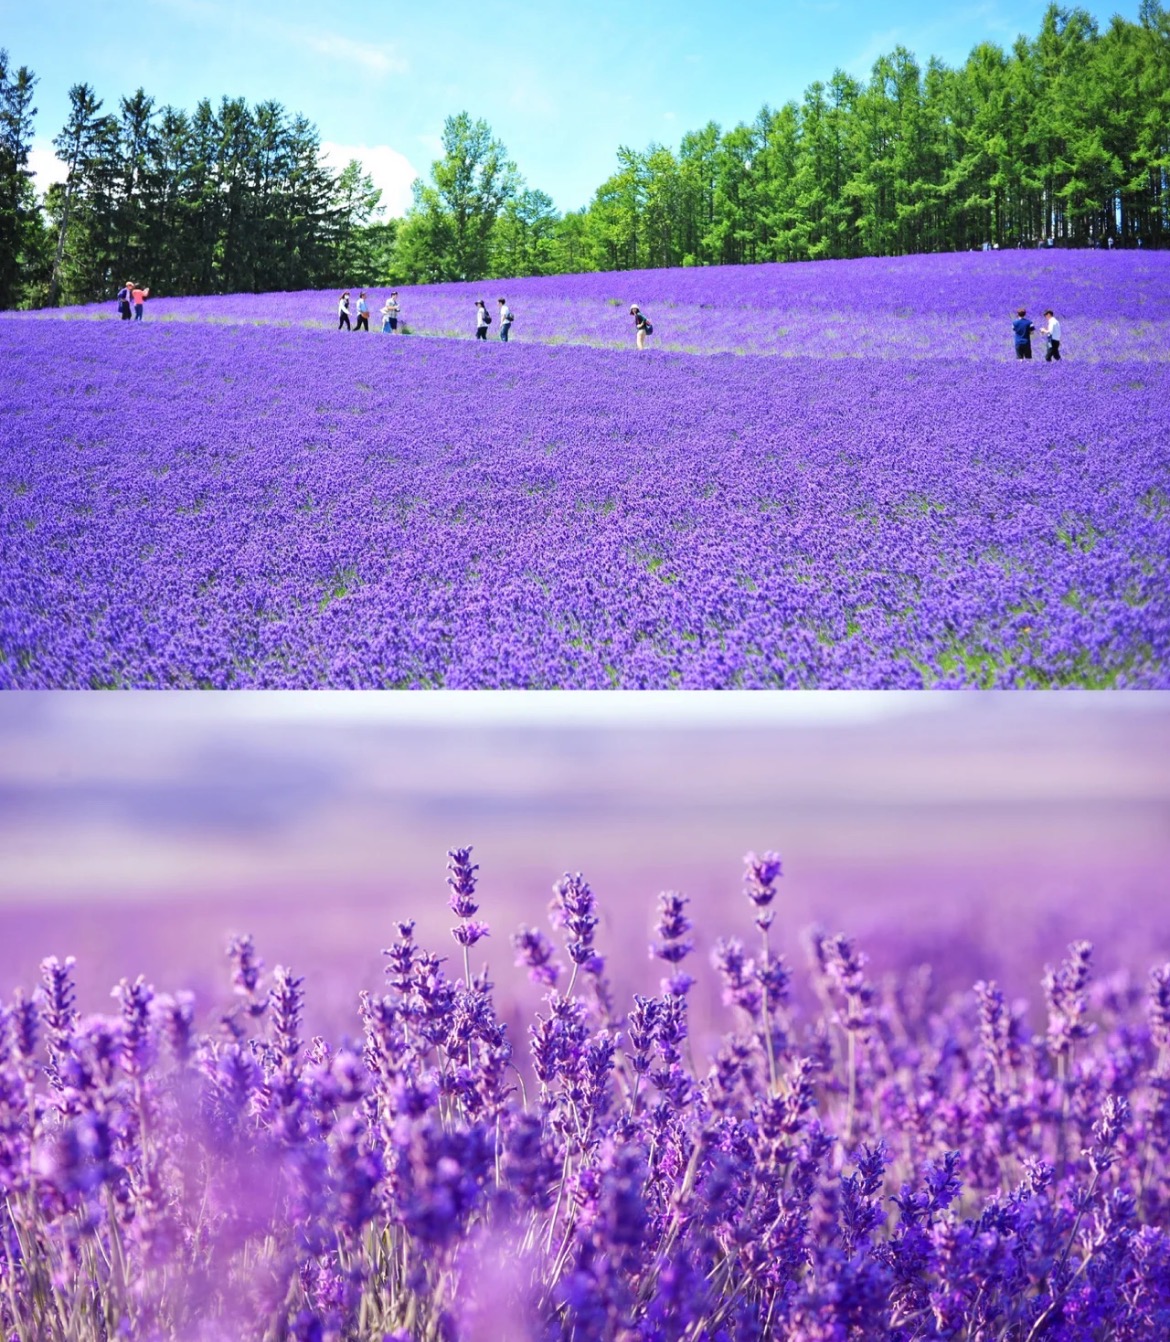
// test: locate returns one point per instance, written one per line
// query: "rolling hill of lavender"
(826, 475)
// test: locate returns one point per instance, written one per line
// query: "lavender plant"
(875, 1167)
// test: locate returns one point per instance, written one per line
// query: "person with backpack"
(363, 311)
(642, 327)
(343, 312)
(506, 318)
(483, 319)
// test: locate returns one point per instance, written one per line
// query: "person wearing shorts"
(642, 327)
(1022, 330)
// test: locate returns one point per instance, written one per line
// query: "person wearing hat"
(642, 327)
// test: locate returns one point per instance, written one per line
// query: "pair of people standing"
(391, 311)
(1022, 329)
(363, 312)
(131, 295)
(483, 319)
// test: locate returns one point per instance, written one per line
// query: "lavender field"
(876, 1167)
(229, 496)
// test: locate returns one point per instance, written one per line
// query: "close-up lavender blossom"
(213, 502)
(854, 1160)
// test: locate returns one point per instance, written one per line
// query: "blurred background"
(977, 832)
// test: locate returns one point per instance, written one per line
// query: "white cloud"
(46, 166)
(390, 171)
(376, 58)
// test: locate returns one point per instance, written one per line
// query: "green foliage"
(1066, 136)
(449, 230)
(23, 244)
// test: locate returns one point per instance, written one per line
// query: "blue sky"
(563, 85)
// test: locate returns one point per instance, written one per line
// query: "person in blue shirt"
(1022, 330)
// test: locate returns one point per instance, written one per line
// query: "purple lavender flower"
(759, 880)
(462, 882)
(1065, 989)
(535, 953)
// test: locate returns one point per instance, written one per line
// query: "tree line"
(1064, 137)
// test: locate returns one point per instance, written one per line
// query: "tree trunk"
(55, 284)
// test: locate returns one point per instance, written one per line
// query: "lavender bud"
(1160, 1006)
(760, 875)
(462, 882)
(534, 952)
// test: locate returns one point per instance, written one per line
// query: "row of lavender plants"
(209, 506)
(921, 307)
(878, 1166)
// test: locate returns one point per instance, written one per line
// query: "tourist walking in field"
(642, 327)
(483, 319)
(506, 318)
(390, 311)
(138, 297)
(1051, 333)
(124, 300)
(1022, 330)
(343, 312)
(363, 313)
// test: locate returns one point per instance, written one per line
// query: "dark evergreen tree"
(21, 242)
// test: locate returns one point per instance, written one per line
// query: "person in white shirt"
(390, 311)
(343, 312)
(1051, 332)
(506, 318)
(483, 319)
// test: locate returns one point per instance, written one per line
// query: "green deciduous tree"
(449, 228)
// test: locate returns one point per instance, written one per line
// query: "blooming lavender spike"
(760, 876)
(572, 908)
(1065, 989)
(286, 999)
(535, 953)
(1160, 1009)
(462, 882)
